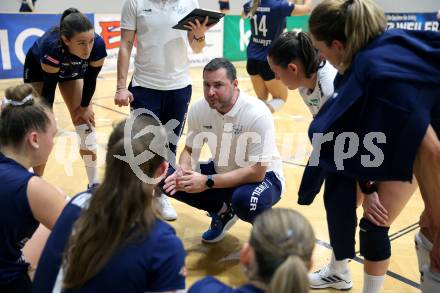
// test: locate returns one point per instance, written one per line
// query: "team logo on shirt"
(237, 129)
(51, 59)
(180, 10)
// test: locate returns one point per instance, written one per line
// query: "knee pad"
(223, 5)
(423, 249)
(374, 241)
(87, 138)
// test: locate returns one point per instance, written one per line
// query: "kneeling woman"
(27, 129)
(276, 258)
(117, 243)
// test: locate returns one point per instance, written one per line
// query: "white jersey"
(243, 136)
(315, 98)
(161, 60)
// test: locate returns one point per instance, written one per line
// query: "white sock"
(338, 266)
(91, 170)
(276, 103)
(430, 281)
(423, 248)
(373, 284)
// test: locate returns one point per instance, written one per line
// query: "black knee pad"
(374, 241)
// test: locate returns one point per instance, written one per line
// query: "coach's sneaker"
(220, 223)
(164, 207)
(326, 278)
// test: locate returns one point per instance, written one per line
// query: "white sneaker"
(423, 249)
(164, 207)
(326, 278)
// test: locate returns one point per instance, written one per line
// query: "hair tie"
(13, 103)
(289, 235)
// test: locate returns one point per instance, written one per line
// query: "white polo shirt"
(161, 60)
(243, 136)
(322, 91)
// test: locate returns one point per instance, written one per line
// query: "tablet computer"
(200, 14)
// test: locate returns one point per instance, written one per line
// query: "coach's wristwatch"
(367, 186)
(210, 181)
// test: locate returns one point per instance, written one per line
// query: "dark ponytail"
(291, 46)
(73, 22)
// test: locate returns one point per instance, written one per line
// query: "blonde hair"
(254, 7)
(352, 22)
(23, 111)
(283, 241)
(120, 203)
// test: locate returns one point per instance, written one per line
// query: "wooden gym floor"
(65, 169)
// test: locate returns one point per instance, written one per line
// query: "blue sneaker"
(220, 223)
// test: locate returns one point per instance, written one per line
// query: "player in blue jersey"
(71, 56)
(298, 65)
(27, 6)
(27, 129)
(387, 87)
(111, 240)
(224, 6)
(268, 20)
(276, 258)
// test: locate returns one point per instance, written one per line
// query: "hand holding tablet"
(201, 15)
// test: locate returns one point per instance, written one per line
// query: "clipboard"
(200, 14)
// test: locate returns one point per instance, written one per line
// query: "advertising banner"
(237, 32)
(413, 21)
(109, 27)
(18, 32)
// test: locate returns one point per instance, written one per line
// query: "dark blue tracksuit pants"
(166, 105)
(247, 200)
(340, 206)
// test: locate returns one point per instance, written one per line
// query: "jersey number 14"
(260, 27)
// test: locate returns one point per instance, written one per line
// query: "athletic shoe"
(164, 208)
(220, 223)
(326, 278)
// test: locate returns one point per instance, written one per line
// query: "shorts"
(261, 68)
(32, 71)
